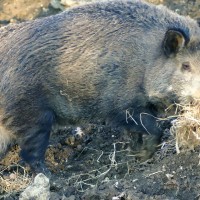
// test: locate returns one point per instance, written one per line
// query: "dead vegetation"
(186, 127)
(15, 181)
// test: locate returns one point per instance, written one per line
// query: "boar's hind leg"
(34, 140)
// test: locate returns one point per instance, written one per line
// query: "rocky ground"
(95, 162)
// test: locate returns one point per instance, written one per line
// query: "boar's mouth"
(188, 100)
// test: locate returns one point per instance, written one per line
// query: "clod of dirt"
(12, 156)
(40, 189)
(64, 4)
(21, 10)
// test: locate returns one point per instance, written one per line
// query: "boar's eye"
(186, 66)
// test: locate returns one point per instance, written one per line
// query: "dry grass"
(15, 181)
(186, 128)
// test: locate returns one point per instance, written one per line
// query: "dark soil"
(98, 164)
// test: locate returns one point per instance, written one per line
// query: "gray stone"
(38, 190)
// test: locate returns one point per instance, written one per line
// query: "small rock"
(55, 196)
(72, 197)
(56, 4)
(38, 190)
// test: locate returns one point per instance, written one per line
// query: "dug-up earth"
(95, 162)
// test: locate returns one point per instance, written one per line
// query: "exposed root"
(85, 181)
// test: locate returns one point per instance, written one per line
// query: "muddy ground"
(96, 163)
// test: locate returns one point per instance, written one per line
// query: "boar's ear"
(174, 41)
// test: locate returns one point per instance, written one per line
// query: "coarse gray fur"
(94, 62)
